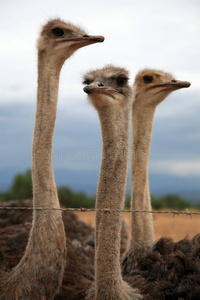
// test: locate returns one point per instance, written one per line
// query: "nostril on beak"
(85, 35)
(87, 90)
(174, 80)
(100, 84)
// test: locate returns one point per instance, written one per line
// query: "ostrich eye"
(121, 81)
(148, 79)
(86, 82)
(58, 32)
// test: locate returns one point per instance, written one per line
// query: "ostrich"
(39, 273)
(110, 94)
(167, 269)
(151, 87)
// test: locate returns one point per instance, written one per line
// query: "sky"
(138, 34)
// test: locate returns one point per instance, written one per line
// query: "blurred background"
(138, 34)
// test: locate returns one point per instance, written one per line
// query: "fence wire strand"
(83, 209)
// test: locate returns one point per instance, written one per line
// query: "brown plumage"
(14, 217)
(79, 264)
(171, 270)
(15, 226)
(74, 228)
(39, 273)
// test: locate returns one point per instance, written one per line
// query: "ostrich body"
(39, 273)
(110, 94)
(151, 87)
(169, 271)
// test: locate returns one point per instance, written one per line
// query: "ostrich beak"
(81, 41)
(174, 84)
(93, 38)
(100, 88)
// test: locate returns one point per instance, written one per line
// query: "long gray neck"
(111, 192)
(44, 188)
(142, 229)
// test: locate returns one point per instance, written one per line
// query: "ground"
(176, 227)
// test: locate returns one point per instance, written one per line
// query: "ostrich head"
(107, 86)
(60, 40)
(154, 86)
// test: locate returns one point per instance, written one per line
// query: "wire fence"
(108, 210)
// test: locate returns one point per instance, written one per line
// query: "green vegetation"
(21, 188)
(68, 198)
(165, 202)
(170, 201)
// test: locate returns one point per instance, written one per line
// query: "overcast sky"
(138, 34)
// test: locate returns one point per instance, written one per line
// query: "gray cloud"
(138, 34)
(77, 143)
